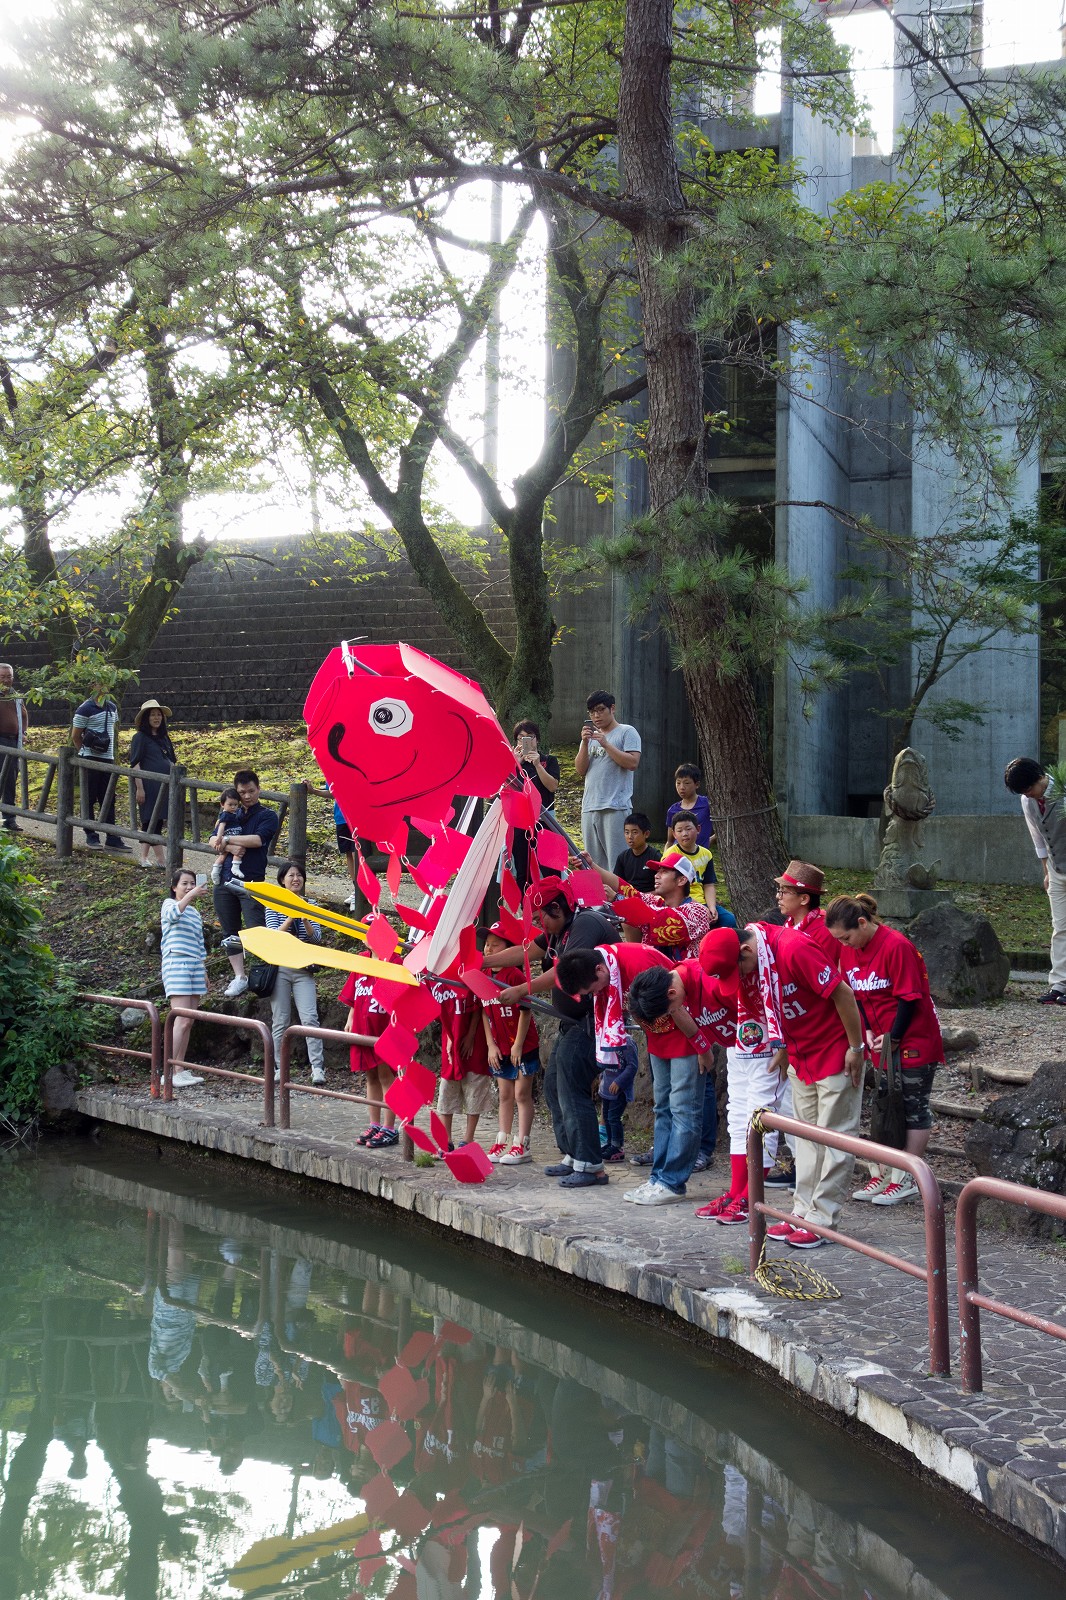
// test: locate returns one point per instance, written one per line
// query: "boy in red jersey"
(465, 1081)
(823, 1053)
(514, 1059)
(368, 1016)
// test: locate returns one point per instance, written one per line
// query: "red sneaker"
(803, 1239)
(734, 1216)
(781, 1230)
(716, 1208)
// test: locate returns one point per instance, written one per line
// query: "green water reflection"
(208, 1392)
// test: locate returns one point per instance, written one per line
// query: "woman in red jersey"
(888, 975)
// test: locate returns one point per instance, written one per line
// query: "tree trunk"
(751, 844)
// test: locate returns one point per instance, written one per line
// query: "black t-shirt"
(551, 767)
(588, 929)
(635, 870)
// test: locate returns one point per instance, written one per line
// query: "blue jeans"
(614, 1106)
(679, 1096)
(710, 1116)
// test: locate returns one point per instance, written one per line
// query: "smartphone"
(527, 744)
(201, 879)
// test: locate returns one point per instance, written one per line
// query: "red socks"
(738, 1176)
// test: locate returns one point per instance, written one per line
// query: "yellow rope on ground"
(790, 1280)
(785, 1279)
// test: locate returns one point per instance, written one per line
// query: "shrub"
(40, 1021)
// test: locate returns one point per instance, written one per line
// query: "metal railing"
(65, 772)
(933, 1273)
(331, 1036)
(246, 1025)
(971, 1301)
(154, 1055)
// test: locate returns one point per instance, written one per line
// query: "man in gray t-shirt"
(608, 756)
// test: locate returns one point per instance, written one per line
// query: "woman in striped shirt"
(181, 945)
(295, 983)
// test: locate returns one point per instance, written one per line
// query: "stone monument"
(903, 884)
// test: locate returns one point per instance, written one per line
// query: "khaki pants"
(823, 1176)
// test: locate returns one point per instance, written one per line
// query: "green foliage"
(40, 1022)
(726, 605)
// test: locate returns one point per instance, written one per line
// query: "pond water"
(207, 1390)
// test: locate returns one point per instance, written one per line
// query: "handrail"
(173, 790)
(331, 1036)
(971, 1301)
(154, 1055)
(933, 1274)
(248, 1025)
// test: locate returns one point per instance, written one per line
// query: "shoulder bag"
(262, 976)
(888, 1121)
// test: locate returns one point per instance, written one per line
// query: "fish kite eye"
(391, 717)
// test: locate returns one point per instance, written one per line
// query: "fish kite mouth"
(463, 751)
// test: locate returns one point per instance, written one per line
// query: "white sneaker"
(906, 1189)
(498, 1148)
(654, 1194)
(238, 986)
(634, 1195)
(216, 872)
(185, 1079)
(517, 1156)
(318, 1076)
(874, 1185)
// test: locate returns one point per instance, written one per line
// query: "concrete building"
(825, 441)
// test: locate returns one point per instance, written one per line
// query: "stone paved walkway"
(864, 1356)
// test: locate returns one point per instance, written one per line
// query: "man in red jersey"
(799, 899)
(821, 1027)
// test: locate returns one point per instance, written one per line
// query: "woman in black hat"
(152, 751)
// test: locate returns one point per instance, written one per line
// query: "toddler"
(230, 822)
(514, 1057)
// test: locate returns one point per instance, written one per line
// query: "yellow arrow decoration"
(285, 950)
(270, 1560)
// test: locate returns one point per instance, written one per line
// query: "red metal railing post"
(268, 1072)
(157, 1050)
(756, 1194)
(284, 1064)
(154, 1054)
(934, 1273)
(967, 1280)
(168, 1051)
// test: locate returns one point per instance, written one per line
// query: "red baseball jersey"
(889, 969)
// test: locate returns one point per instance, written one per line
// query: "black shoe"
(117, 845)
(93, 843)
(584, 1180)
(561, 1169)
(12, 826)
(780, 1177)
(1054, 997)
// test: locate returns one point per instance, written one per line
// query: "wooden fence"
(46, 786)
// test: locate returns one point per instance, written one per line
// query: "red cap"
(507, 927)
(677, 861)
(720, 957)
(545, 890)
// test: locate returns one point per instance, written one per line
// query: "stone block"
(967, 964)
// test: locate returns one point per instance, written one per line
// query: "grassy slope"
(280, 755)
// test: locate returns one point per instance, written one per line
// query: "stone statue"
(908, 801)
